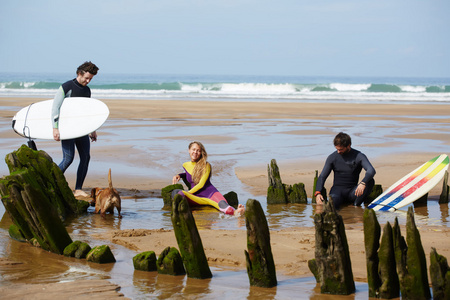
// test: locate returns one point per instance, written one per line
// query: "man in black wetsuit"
(346, 164)
(76, 87)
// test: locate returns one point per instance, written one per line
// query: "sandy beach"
(397, 138)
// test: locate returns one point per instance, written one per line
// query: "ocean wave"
(252, 91)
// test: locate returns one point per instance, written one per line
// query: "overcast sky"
(228, 37)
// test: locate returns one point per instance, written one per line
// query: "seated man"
(346, 164)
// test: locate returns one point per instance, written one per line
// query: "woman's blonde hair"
(200, 166)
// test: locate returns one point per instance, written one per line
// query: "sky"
(383, 38)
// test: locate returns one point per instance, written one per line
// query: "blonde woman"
(198, 173)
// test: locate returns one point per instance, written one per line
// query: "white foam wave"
(413, 89)
(345, 87)
(255, 92)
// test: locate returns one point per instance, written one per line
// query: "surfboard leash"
(31, 143)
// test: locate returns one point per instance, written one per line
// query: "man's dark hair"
(87, 67)
(342, 140)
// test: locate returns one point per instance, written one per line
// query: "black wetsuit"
(346, 168)
(73, 88)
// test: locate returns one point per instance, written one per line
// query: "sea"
(237, 88)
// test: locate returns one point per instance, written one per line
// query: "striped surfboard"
(412, 186)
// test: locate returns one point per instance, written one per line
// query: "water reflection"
(37, 266)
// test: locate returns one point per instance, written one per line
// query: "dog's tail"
(109, 179)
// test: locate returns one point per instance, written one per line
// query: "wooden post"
(259, 258)
(188, 239)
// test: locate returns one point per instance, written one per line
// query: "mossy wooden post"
(32, 212)
(314, 186)
(372, 233)
(390, 287)
(297, 193)
(50, 178)
(170, 262)
(145, 261)
(411, 261)
(376, 191)
(323, 191)
(276, 193)
(259, 258)
(443, 198)
(166, 194)
(440, 276)
(188, 239)
(332, 257)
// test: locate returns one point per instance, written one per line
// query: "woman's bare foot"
(240, 210)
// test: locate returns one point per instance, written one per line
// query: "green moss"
(297, 193)
(71, 249)
(170, 262)
(101, 255)
(166, 193)
(259, 258)
(16, 234)
(145, 261)
(77, 249)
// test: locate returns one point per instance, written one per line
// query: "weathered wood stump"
(37, 198)
(296, 193)
(101, 255)
(422, 201)
(390, 286)
(443, 198)
(410, 260)
(145, 261)
(188, 239)
(32, 212)
(166, 194)
(77, 249)
(280, 193)
(50, 178)
(323, 191)
(170, 262)
(381, 273)
(376, 191)
(372, 233)
(276, 193)
(259, 258)
(440, 276)
(332, 265)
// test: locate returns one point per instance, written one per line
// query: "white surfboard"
(412, 186)
(78, 117)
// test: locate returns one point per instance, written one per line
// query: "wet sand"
(144, 142)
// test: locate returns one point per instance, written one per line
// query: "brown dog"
(106, 199)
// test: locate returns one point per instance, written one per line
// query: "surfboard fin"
(32, 145)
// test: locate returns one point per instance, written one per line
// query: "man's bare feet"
(80, 193)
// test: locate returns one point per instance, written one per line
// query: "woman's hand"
(175, 179)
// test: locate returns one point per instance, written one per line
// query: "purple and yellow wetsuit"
(204, 193)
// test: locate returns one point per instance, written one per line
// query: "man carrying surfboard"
(76, 87)
(346, 164)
